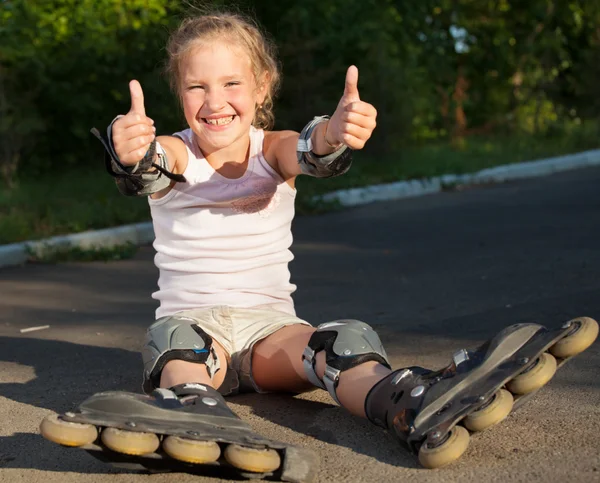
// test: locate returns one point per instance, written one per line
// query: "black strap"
(124, 171)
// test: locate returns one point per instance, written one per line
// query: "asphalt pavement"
(431, 274)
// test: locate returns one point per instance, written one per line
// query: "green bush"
(436, 70)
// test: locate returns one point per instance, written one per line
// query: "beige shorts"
(237, 329)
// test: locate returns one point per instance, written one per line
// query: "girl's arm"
(142, 163)
(177, 157)
(350, 127)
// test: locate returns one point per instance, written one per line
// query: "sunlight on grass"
(73, 202)
(76, 254)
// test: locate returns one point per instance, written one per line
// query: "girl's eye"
(191, 88)
(230, 84)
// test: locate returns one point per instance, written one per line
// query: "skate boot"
(186, 428)
(433, 412)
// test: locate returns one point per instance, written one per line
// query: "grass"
(70, 203)
(438, 159)
(84, 200)
(77, 254)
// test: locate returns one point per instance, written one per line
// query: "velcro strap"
(308, 360)
(133, 174)
(331, 378)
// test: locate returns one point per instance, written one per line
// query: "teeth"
(220, 121)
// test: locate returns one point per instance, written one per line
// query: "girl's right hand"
(133, 133)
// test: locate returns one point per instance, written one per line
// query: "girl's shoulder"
(274, 138)
(175, 147)
(279, 150)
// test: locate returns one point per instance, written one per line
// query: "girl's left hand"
(353, 121)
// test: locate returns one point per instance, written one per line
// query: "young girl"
(221, 195)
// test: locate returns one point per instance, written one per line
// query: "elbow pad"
(327, 166)
(138, 180)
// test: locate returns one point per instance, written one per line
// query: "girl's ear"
(264, 83)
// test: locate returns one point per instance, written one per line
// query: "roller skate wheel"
(446, 452)
(534, 378)
(578, 341)
(191, 450)
(67, 433)
(129, 442)
(498, 408)
(252, 459)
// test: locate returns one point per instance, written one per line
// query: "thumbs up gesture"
(133, 133)
(353, 121)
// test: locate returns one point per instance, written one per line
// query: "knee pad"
(347, 343)
(176, 338)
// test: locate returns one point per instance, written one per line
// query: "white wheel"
(66, 433)
(500, 407)
(129, 442)
(191, 450)
(578, 341)
(534, 378)
(252, 459)
(447, 452)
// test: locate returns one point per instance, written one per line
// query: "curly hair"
(196, 31)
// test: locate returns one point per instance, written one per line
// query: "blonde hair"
(198, 30)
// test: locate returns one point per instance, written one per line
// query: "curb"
(18, 253)
(498, 174)
(143, 233)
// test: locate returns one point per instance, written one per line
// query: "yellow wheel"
(129, 442)
(535, 377)
(67, 433)
(252, 459)
(498, 408)
(191, 450)
(578, 341)
(447, 452)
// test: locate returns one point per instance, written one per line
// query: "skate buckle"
(331, 376)
(165, 393)
(417, 391)
(331, 379)
(308, 354)
(308, 361)
(209, 401)
(460, 356)
(401, 375)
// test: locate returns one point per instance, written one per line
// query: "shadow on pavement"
(62, 374)
(67, 373)
(31, 451)
(330, 424)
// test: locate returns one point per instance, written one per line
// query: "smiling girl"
(221, 194)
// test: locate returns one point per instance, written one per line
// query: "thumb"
(137, 98)
(351, 87)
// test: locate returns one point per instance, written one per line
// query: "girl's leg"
(180, 372)
(277, 366)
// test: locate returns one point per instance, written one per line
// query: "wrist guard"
(138, 180)
(326, 166)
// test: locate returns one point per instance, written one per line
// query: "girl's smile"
(219, 122)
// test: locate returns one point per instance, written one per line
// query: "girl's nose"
(215, 100)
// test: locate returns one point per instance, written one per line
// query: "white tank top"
(222, 241)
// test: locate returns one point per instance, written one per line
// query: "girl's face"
(219, 95)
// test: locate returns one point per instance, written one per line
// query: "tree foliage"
(434, 68)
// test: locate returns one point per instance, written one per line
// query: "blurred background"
(460, 85)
